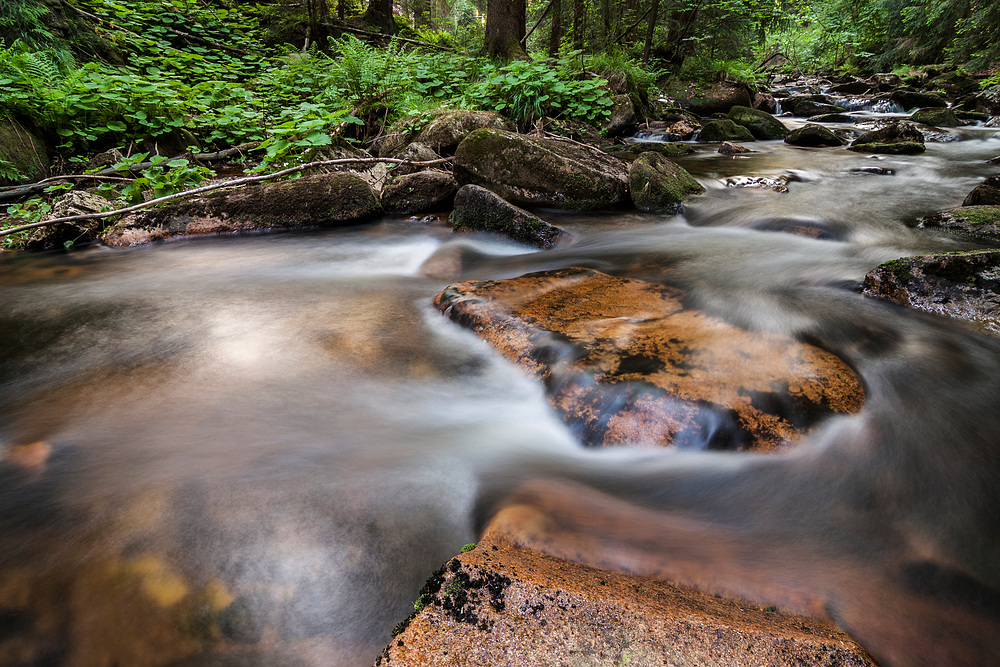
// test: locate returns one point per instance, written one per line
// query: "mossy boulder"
(963, 285)
(24, 158)
(717, 131)
(671, 114)
(668, 150)
(419, 192)
(414, 152)
(986, 193)
(321, 200)
(623, 117)
(856, 87)
(658, 185)
(530, 171)
(910, 99)
(980, 222)
(447, 130)
(761, 124)
(478, 209)
(717, 98)
(813, 136)
(895, 138)
(936, 116)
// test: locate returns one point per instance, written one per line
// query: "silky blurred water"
(254, 450)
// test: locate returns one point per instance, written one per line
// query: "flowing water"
(254, 450)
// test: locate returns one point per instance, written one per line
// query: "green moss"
(761, 124)
(935, 116)
(724, 130)
(659, 185)
(977, 216)
(900, 268)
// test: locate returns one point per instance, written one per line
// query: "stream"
(254, 450)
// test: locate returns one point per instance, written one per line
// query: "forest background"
(158, 81)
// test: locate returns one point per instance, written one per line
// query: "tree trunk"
(379, 16)
(556, 35)
(341, 9)
(606, 21)
(647, 47)
(422, 13)
(579, 25)
(505, 27)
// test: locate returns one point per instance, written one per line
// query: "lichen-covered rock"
(449, 128)
(761, 124)
(980, 222)
(622, 119)
(657, 185)
(896, 138)
(478, 209)
(419, 192)
(716, 131)
(505, 605)
(24, 157)
(986, 193)
(936, 116)
(624, 362)
(909, 99)
(964, 285)
(814, 136)
(809, 108)
(321, 200)
(529, 171)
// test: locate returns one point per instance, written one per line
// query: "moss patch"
(901, 148)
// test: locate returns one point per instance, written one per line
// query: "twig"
(524, 40)
(219, 186)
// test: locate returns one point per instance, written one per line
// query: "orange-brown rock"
(500, 604)
(625, 362)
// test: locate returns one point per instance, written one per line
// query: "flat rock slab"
(961, 285)
(624, 362)
(504, 605)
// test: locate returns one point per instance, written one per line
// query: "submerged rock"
(321, 200)
(624, 362)
(778, 184)
(895, 139)
(478, 209)
(419, 192)
(729, 148)
(504, 604)
(715, 131)
(528, 171)
(761, 124)
(964, 285)
(986, 193)
(815, 136)
(658, 185)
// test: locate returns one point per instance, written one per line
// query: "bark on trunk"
(556, 34)
(647, 47)
(379, 16)
(505, 28)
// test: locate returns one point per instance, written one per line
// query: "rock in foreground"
(624, 362)
(477, 209)
(504, 605)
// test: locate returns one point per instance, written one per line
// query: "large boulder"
(478, 209)
(986, 193)
(960, 285)
(24, 158)
(413, 152)
(936, 116)
(896, 139)
(988, 101)
(419, 192)
(530, 171)
(718, 98)
(657, 185)
(321, 200)
(980, 222)
(761, 124)
(625, 362)
(507, 605)
(447, 130)
(909, 99)
(855, 87)
(717, 131)
(814, 136)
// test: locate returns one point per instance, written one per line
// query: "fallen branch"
(220, 186)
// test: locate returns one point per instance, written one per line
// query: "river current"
(277, 438)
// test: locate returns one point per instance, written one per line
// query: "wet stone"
(624, 362)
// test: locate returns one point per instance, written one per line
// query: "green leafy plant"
(161, 177)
